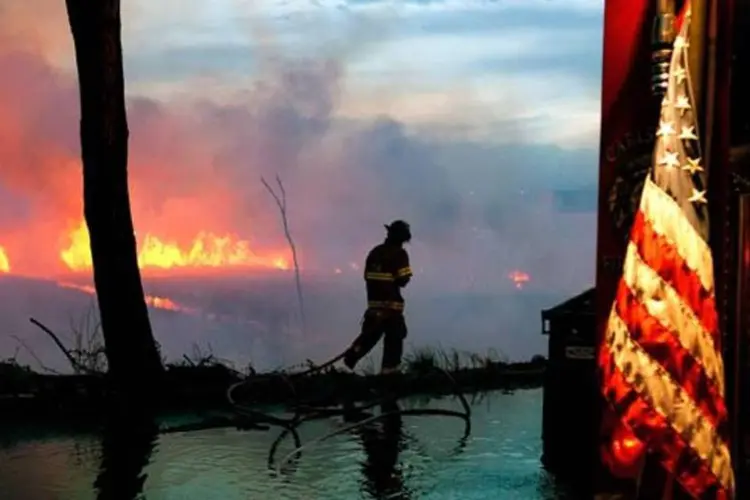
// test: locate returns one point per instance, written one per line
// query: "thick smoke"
(478, 211)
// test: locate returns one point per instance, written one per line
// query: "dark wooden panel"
(738, 324)
(741, 348)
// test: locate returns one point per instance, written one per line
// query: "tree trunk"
(134, 360)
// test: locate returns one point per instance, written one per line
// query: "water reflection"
(382, 442)
(408, 457)
(128, 442)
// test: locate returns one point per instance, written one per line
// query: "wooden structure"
(569, 429)
(737, 326)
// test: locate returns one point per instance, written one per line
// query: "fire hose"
(306, 414)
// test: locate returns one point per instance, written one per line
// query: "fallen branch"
(76, 366)
(280, 199)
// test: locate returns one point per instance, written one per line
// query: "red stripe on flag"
(663, 347)
(661, 256)
(652, 427)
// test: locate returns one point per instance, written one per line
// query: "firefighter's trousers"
(380, 323)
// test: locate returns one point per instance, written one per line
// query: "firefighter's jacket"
(386, 272)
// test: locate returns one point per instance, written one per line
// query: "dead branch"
(280, 199)
(34, 356)
(76, 366)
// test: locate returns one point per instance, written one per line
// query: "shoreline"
(30, 397)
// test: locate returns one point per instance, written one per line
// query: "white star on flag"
(698, 197)
(665, 129)
(688, 134)
(693, 166)
(670, 160)
(683, 104)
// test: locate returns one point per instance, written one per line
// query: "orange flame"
(519, 278)
(4, 261)
(151, 300)
(207, 250)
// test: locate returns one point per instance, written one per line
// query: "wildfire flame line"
(207, 250)
(4, 262)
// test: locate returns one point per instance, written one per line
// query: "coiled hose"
(256, 419)
(307, 414)
(285, 377)
(327, 412)
(266, 418)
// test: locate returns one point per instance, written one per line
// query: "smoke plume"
(478, 211)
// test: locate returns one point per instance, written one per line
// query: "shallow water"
(424, 459)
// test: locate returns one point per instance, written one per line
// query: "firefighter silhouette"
(387, 271)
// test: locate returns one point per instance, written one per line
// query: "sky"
(469, 118)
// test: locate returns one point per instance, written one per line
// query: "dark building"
(569, 426)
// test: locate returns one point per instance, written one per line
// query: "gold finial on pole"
(662, 38)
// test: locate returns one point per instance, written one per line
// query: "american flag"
(660, 360)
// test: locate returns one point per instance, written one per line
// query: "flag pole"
(699, 62)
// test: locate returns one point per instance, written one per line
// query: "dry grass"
(427, 359)
(88, 343)
(86, 353)
(204, 358)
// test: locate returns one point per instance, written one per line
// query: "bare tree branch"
(280, 199)
(281, 204)
(76, 366)
(34, 356)
(281, 190)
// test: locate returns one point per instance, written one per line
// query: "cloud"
(415, 6)
(511, 72)
(456, 54)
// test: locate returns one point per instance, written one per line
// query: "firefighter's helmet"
(399, 231)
